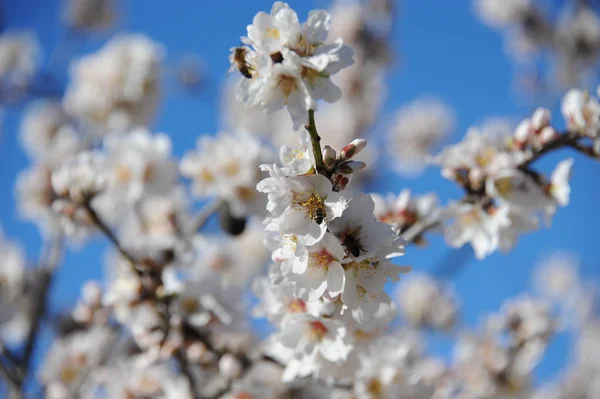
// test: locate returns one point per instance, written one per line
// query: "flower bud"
(350, 167)
(522, 132)
(92, 293)
(540, 119)
(229, 366)
(352, 149)
(340, 182)
(548, 133)
(328, 157)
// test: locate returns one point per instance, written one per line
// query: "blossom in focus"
(417, 130)
(288, 64)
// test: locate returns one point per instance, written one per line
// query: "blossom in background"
(70, 359)
(406, 211)
(89, 14)
(19, 58)
(289, 65)
(581, 112)
(476, 225)
(425, 302)
(117, 87)
(48, 135)
(417, 130)
(15, 306)
(227, 166)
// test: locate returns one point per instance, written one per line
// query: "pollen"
(206, 175)
(322, 258)
(504, 186)
(297, 305)
(273, 33)
(486, 155)
(313, 205)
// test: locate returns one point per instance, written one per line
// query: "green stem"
(316, 143)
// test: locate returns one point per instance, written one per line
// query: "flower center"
(317, 330)
(273, 33)
(323, 258)
(314, 207)
(287, 84)
(297, 305)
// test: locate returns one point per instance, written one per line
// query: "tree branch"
(316, 143)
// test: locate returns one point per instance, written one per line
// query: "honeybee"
(352, 245)
(319, 215)
(238, 61)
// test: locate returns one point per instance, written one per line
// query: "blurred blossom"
(47, 134)
(557, 275)
(418, 129)
(235, 259)
(19, 59)
(15, 306)
(226, 166)
(118, 86)
(427, 303)
(89, 14)
(35, 196)
(70, 359)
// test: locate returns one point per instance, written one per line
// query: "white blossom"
(19, 58)
(117, 87)
(227, 166)
(418, 129)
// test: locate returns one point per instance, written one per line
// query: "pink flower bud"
(339, 182)
(352, 149)
(350, 167)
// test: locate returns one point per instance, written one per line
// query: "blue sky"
(440, 48)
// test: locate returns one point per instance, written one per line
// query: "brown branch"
(47, 269)
(99, 223)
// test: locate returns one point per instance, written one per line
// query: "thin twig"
(47, 269)
(14, 386)
(202, 217)
(99, 223)
(316, 143)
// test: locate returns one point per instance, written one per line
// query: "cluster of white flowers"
(170, 319)
(118, 87)
(504, 195)
(289, 64)
(331, 262)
